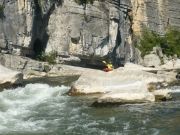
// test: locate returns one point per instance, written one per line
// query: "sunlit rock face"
(15, 24)
(95, 31)
(155, 14)
(102, 29)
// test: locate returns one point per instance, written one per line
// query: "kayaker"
(108, 66)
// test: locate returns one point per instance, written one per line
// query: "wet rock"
(178, 76)
(125, 98)
(162, 95)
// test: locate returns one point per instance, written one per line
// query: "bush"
(1, 11)
(170, 42)
(1, 8)
(50, 57)
(148, 40)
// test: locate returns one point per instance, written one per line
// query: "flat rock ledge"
(9, 77)
(123, 86)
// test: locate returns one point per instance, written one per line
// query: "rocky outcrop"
(9, 77)
(123, 85)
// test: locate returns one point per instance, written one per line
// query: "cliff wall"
(100, 30)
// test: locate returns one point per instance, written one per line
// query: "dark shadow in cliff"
(37, 47)
(40, 36)
(117, 61)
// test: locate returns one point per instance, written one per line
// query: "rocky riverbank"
(129, 84)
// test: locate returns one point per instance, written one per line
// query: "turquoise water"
(40, 109)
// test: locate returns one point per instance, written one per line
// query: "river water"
(41, 109)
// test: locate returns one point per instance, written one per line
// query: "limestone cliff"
(102, 29)
(155, 14)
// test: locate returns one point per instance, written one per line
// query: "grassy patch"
(50, 57)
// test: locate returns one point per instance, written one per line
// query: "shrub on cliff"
(1, 11)
(172, 45)
(1, 8)
(170, 42)
(50, 57)
(148, 40)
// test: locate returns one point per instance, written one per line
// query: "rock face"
(156, 14)
(94, 31)
(23, 25)
(9, 77)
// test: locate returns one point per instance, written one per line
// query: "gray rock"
(152, 60)
(9, 77)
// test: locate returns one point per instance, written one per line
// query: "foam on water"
(17, 104)
(38, 109)
(175, 89)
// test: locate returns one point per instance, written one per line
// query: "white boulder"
(171, 64)
(152, 60)
(122, 85)
(9, 77)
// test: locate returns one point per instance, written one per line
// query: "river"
(43, 109)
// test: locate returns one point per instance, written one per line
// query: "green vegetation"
(50, 57)
(1, 9)
(172, 45)
(170, 42)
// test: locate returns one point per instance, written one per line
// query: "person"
(108, 66)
